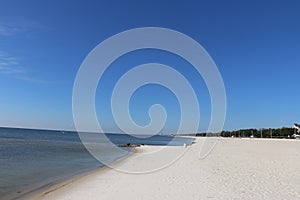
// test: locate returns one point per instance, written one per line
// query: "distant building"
(297, 128)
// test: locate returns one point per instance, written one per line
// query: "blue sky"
(255, 44)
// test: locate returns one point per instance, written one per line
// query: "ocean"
(34, 159)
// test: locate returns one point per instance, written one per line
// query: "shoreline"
(39, 192)
(47, 164)
(43, 191)
(254, 168)
(47, 188)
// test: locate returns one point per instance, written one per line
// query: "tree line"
(260, 133)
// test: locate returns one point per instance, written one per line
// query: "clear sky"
(255, 44)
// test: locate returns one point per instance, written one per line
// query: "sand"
(235, 169)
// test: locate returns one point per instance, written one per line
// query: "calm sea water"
(33, 159)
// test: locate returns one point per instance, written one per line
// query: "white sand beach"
(235, 169)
